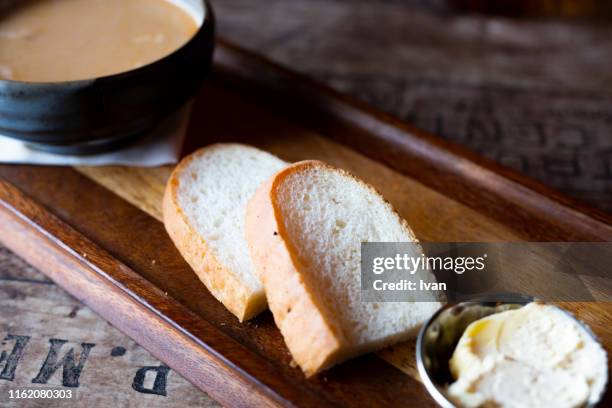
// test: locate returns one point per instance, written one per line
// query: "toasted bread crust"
(312, 340)
(221, 281)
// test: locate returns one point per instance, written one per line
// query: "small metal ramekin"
(440, 334)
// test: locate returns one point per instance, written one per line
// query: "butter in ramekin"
(534, 356)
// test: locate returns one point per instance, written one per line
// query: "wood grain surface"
(480, 82)
(37, 312)
(534, 95)
(116, 257)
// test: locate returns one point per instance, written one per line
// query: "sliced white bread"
(304, 228)
(204, 213)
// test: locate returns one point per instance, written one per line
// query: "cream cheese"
(534, 356)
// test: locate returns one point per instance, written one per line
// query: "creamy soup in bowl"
(66, 40)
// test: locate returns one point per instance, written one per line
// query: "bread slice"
(204, 213)
(304, 228)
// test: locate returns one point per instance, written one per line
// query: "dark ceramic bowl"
(98, 114)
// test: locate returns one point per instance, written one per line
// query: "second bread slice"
(305, 227)
(204, 213)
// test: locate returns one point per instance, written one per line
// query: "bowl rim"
(431, 387)
(207, 20)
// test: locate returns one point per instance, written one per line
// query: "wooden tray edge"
(509, 195)
(78, 266)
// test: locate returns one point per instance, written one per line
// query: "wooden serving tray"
(96, 232)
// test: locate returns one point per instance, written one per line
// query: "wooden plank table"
(36, 311)
(532, 95)
(495, 107)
